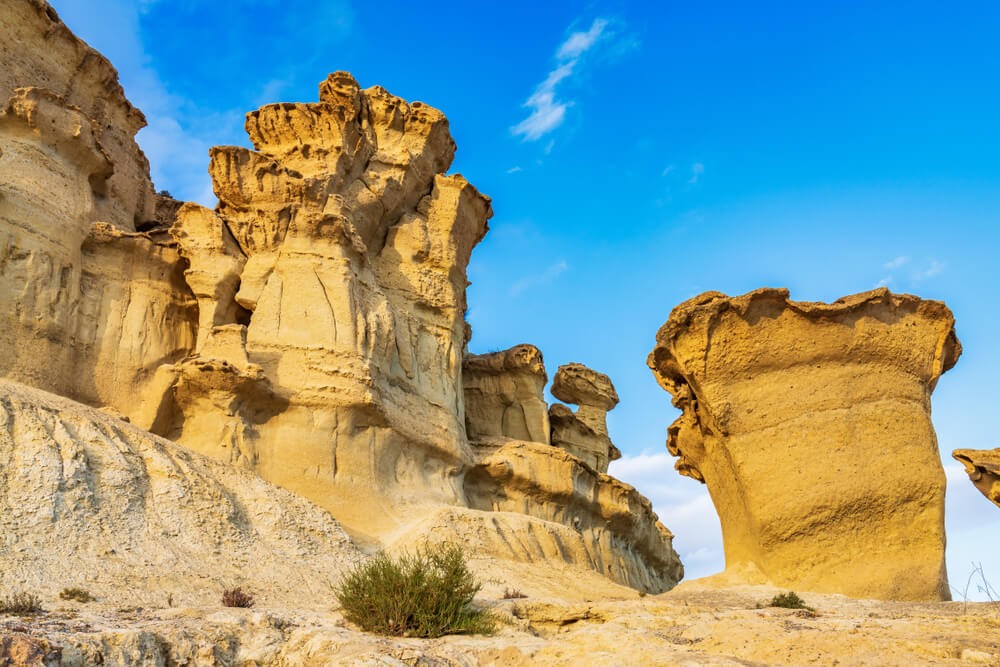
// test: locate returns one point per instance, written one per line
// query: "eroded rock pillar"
(810, 425)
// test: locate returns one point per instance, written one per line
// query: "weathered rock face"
(983, 467)
(309, 329)
(504, 395)
(341, 247)
(584, 433)
(91, 308)
(88, 500)
(623, 537)
(796, 416)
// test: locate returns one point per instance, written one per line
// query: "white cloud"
(697, 169)
(514, 170)
(683, 506)
(543, 278)
(669, 169)
(579, 42)
(933, 269)
(896, 263)
(548, 111)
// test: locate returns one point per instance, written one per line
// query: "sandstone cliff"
(310, 329)
(584, 433)
(796, 416)
(983, 467)
(89, 308)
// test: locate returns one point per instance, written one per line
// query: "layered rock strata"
(341, 246)
(612, 528)
(796, 416)
(983, 467)
(505, 395)
(309, 329)
(622, 536)
(584, 433)
(90, 307)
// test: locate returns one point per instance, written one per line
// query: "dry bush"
(428, 594)
(21, 604)
(78, 594)
(236, 597)
(513, 594)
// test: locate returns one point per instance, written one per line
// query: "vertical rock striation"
(341, 246)
(91, 308)
(797, 416)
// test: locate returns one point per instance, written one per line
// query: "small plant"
(236, 597)
(512, 594)
(78, 594)
(21, 604)
(789, 600)
(428, 594)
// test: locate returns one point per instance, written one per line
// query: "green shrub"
(428, 594)
(78, 594)
(21, 604)
(789, 600)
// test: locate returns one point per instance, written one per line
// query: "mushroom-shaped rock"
(584, 433)
(504, 395)
(575, 383)
(983, 467)
(810, 425)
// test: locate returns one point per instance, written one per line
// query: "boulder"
(797, 417)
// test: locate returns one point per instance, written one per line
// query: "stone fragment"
(504, 395)
(584, 433)
(983, 467)
(796, 416)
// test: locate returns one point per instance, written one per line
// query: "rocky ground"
(694, 624)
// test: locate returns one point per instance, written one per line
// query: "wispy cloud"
(514, 170)
(697, 169)
(683, 505)
(669, 169)
(933, 269)
(543, 278)
(896, 263)
(548, 111)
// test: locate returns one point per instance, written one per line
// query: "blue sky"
(639, 153)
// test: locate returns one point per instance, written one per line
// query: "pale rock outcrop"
(796, 416)
(91, 308)
(38, 50)
(87, 500)
(584, 433)
(622, 536)
(505, 395)
(983, 467)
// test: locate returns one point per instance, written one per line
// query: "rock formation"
(797, 416)
(584, 433)
(90, 308)
(505, 395)
(983, 467)
(517, 471)
(310, 330)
